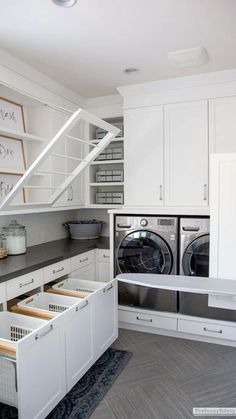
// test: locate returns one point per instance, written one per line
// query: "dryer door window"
(196, 257)
(144, 252)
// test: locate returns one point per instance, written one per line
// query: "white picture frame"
(11, 115)
(12, 159)
(7, 182)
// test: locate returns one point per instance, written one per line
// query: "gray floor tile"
(167, 377)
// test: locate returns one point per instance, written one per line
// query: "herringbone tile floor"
(167, 377)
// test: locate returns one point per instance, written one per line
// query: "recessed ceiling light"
(131, 70)
(65, 3)
(188, 57)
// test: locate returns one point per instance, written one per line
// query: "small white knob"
(144, 222)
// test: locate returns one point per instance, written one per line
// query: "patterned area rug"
(84, 397)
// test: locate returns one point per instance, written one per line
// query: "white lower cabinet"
(33, 378)
(140, 318)
(211, 329)
(79, 341)
(105, 317)
(103, 263)
(54, 354)
(83, 266)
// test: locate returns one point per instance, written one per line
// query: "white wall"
(42, 227)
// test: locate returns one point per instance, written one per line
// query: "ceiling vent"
(188, 57)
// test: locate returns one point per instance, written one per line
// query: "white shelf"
(12, 171)
(107, 184)
(101, 162)
(117, 139)
(20, 135)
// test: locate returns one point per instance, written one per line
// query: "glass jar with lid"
(16, 238)
(3, 246)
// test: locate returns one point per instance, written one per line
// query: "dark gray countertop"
(45, 254)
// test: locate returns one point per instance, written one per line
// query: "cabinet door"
(222, 125)
(105, 316)
(104, 272)
(79, 342)
(143, 148)
(223, 210)
(88, 272)
(186, 154)
(41, 370)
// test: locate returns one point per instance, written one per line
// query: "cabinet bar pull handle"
(108, 289)
(212, 331)
(124, 225)
(83, 260)
(58, 270)
(205, 193)
(81, 308)
(161, 194)
(27, 283)
(44, 334)
(144, 320)
(105, 256)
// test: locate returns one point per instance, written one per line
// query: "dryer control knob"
(144, 222)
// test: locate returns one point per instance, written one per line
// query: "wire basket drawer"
(44, 302)
(77, 287)
(13, 327)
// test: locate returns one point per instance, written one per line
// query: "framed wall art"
(11, 115)
(12, 157)
(7, 182)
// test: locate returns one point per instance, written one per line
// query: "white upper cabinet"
(144, 156)
(186, 154)
(222, 125)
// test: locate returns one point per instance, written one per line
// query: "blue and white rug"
(84, 397)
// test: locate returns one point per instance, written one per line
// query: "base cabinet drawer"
(148, 320)
(215, 330)
(24, 283)
(56, 270)
(82, 260)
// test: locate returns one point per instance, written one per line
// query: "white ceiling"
(86, 47)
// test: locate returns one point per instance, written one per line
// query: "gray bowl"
(81, 230)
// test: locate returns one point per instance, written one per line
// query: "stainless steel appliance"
(194, 261)
(146, 244)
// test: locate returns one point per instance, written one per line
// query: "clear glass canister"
(3, 246)
(16, 238)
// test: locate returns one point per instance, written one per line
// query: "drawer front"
(24, 283)
(104, 255)
(3, 293)
(207, 329)
(82, 260)
(142, 319)
(56, 270)
(88, 272)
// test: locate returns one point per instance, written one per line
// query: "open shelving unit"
(107, 194)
